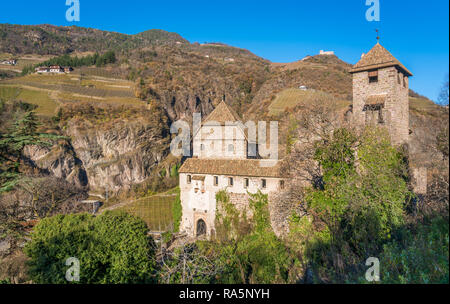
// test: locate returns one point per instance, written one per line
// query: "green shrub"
(250, 252)
(112, 248)
(420, 258)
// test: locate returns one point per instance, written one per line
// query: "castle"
(380, 93)
(221, 160)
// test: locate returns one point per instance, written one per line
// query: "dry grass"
(425, 107)
(45, 105)
(22, 61)
(290, 98)
(155, 210)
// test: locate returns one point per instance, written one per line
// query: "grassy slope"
(155, 210)
(289, 98)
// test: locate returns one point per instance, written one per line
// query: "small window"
(230, 148)
(246, 183)
(404, 81)
(216, 180)
(399, 78)
(202, 147)
(230, 181)
(373, 76)
(373, 79)
(281, 184)
(263, 183)
(188, 179)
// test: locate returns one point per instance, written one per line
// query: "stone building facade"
(221, 162)
(380, 93)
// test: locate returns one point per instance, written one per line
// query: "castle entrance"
(201, 227)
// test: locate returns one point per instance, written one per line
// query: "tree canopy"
(112, 248)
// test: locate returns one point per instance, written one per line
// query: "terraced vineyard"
(50, 91)
(155, 210)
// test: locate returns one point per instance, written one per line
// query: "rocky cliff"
(108, 149)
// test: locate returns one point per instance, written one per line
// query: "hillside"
(161, 70)
(56, 40)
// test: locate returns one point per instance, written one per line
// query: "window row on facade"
(263, 182)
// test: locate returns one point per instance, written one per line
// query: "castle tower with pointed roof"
(380, 93)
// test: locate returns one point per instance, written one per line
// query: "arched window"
(201, 227)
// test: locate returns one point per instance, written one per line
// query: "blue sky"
(414, 31)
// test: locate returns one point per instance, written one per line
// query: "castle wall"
(220, 142)
(198, 198)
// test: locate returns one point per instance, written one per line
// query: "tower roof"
(378, 57)
(221, 114)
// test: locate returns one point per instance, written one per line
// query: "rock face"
(117, 157)
(111, 156)
(60, 161)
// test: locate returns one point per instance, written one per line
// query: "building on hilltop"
(322, 52)
(221, 162)
(380, 93)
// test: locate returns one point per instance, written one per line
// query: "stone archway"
(200, 228)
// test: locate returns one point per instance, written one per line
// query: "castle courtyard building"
(221, 162)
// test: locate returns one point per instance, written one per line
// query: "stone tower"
(380, 93)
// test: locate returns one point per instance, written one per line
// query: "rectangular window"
(373, 76)
(263, 183)
(246, 183)
(188, 179)
(281, 184)
(230, 181)
(216, 180)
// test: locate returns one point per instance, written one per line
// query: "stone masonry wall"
(396, 108)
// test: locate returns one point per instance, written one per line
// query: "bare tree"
(185, 264)
(38, 197)
(443, 95)
(316, 122)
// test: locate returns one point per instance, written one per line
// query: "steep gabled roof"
(221, 114)
(378, 57)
